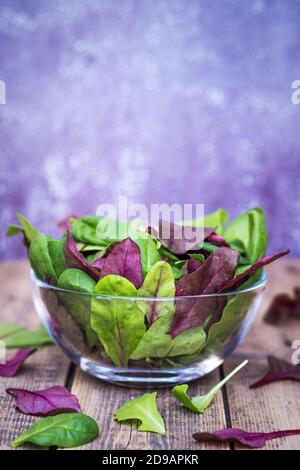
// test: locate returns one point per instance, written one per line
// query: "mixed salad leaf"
(51, 401)
(154, 287)
(144, 409)
(62, 430)
(11, 367)
(279, 369)
(246, 438)
(200, 403)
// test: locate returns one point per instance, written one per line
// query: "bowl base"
(146, 378)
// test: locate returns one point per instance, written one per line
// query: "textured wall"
(162, 100)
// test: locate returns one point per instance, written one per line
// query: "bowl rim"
(261, 283)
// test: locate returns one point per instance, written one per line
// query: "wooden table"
(275, 406)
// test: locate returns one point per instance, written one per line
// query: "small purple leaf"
(218, 269)
(284, 307)
(191, 265)
(10, 368)
(75, 259)
(51, 401)
(236, 282)
(278, 370)
(124, 260)
(249, 439)
(179, 239)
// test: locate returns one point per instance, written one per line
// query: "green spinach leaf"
(30, 232)
(18, 337)
(40, 259)
(63, 430)
(79, 306)
(144, 409)
(119, 323)
(56, 253)
(149, 254)
(248, 234)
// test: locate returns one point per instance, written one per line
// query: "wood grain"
(101, 401)
(48, 366)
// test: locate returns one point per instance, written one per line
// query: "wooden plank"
(274, 406)
(100, 400)
(48, 366)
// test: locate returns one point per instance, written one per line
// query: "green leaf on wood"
(144, 409)
(63, 430)
(200, 403)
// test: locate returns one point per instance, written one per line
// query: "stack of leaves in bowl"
(164, 294)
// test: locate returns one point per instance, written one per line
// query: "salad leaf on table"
(63, 430)
(11, 367)
(143, 409)
(23, 338)
(200, 403)
(248, 439)
(48, 402)
(279, 369)
(284, 307)
(118, 323)
(9, 329)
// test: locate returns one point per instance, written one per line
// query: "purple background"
(160, 100)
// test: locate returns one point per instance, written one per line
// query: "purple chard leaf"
(11, 367)
(248, 439)
(284, 307)
(216, 240)
(124, 260)
(219, 267)
(75, 259)
(51, 401)
(278, 370)
(240, 279)
(179, 239)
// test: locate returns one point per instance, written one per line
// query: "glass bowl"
(122, 355)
